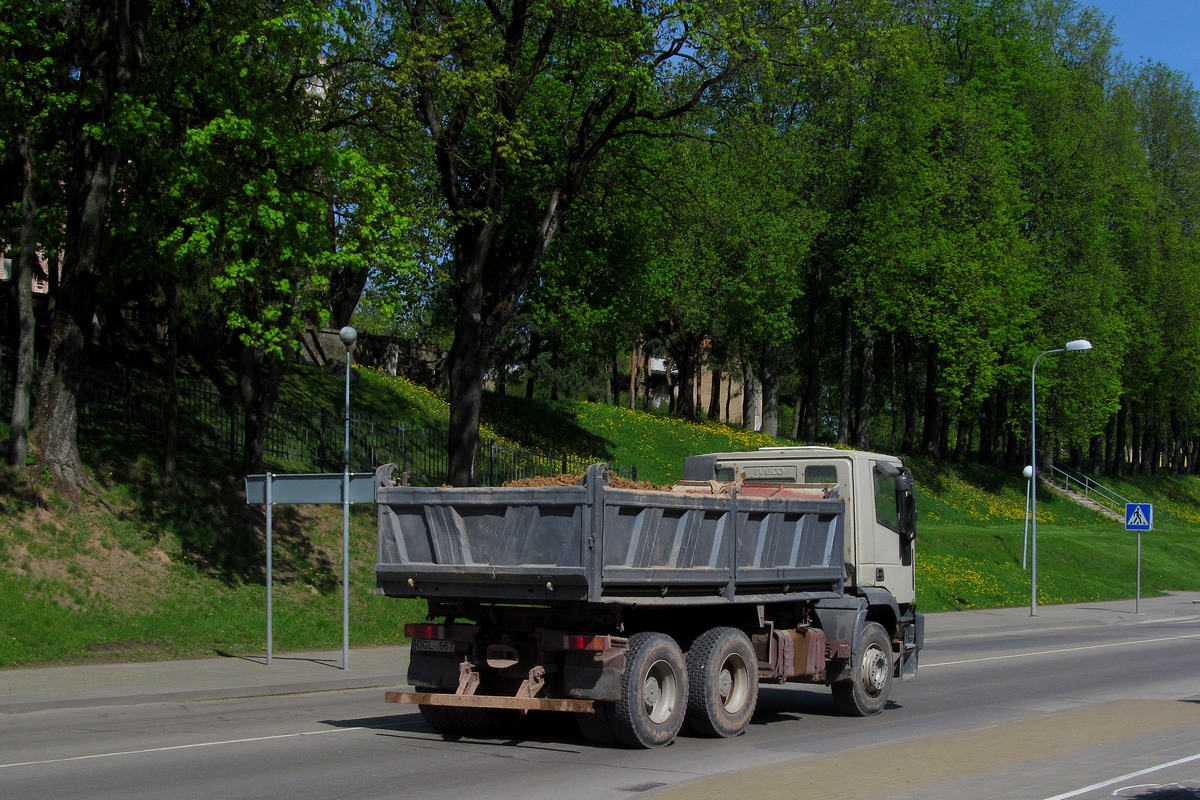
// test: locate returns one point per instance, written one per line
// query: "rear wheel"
(723, 682)
(866, 692)
(654, 691)
(438, 718)
(597, 726)
(481, 723)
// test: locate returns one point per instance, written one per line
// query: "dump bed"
(599, 544)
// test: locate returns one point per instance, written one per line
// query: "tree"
(518, 100)
(27, 77)
(105, 47)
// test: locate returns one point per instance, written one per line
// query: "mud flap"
(911, 646)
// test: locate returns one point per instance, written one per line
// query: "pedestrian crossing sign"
(1139, 516)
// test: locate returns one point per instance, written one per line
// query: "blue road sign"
(1139, 516)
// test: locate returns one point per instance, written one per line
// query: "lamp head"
(1078, 344)
(348, 335)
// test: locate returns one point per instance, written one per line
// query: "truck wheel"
(438, 718)
(866, 693)
(480, 723)
(597, 726)
(723, 682)
(654, 690)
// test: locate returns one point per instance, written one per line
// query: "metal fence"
(133, 406)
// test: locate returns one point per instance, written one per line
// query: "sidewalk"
(24, 690)
(200, 679)
(998, 621)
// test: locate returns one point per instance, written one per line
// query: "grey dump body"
(598, 544)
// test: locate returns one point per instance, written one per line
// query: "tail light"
(424, 630)
(574, 642)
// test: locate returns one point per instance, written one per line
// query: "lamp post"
(348, 336)
(1070, 347)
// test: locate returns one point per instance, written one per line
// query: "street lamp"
(1069, 347)
(348, 336)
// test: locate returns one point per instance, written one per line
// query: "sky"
(1159, 30)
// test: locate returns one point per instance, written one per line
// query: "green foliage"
(972, 541)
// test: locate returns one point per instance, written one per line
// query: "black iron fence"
(133, 406)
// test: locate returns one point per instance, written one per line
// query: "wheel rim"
(733, 684)
(875, 670)
(660, 691)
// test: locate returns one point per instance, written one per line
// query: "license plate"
(433, 646)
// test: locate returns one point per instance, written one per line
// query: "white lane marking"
(1056, 651)
(178, 747)
(1130, 776)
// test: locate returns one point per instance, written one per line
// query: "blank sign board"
(309, 488)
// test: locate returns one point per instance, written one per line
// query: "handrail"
(1104, 495)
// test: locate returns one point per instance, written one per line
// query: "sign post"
(271, 490)
(1139, 517)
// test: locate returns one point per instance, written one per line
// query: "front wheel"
(866, 692)
(654, 690)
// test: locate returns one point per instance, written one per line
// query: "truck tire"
(438, 718)
(866, 692)
(597, 726)
(654, 691)
(481, 723)
(722, 673)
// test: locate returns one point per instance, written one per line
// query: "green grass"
(179, 572)
(973, 541)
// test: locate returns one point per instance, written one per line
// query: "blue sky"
(1159, 30)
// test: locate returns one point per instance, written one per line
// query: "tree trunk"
(56, 421)
(1152, 446)
(987, 422)
(633, 376)
(812, 385)
(259, 389)
(114, 70)
(18, 440)
(894, 398)
(931, 437)
(1135, 425)
(1003, 450)
(170, 466)
(1096, 453)
(535, 344)
(714, 396)
(908, 443)
(345, 288)
(467, 365)
(796, 414)
(1175, 440)
(770, 389)
(866, 388)
(687, 383)
(847, 339)
(647, 373)
(750, 392)
(614, 398)
(1075, 455)
(962, 439)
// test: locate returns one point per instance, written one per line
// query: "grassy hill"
(161, 572)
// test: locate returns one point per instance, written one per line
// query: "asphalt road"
(1059, 707)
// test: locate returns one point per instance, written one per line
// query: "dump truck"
(640, 610)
